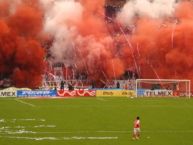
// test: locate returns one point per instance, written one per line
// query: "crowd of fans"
(86, 84)
(81, 81)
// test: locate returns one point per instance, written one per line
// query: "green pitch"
(92, 121)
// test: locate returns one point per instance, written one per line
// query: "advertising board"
(41, 93)
(7, 93)
(10, 92)
(76, 93)
(115, 93)
(163, 92)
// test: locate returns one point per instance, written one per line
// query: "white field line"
(26, 103)
(63, 138)
(100, 99)
(103, 131)
(89, 137)
(122, 132)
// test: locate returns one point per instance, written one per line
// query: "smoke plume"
(21, 54)
(151, 38)
(81, 38)
(156, 9)
(163, 47)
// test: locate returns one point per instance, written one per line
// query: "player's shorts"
(136, 130)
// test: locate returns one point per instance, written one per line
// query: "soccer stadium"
(96, 72)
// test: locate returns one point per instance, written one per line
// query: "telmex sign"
(158, 93)
(7, 94)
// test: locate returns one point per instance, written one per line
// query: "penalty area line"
(26, 103)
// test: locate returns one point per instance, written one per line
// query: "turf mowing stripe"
(100, 99)
(23, 102)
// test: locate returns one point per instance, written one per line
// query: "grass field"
(92, 121)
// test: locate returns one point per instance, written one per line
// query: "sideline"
(23, 102)
(111, 131)
(63, 138)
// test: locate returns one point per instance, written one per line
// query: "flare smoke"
(158, 45)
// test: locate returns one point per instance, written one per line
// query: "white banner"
(5, 93)
(158, 93)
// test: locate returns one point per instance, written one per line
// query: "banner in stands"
(49, 93)
(115, 93)
(164, 92)
(76, 93)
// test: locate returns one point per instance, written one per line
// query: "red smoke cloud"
(97, 52)
(21, 54)
(157, 48)
(166, 47)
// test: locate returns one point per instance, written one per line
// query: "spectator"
(118, 85)
(62, 85)
(70, 87)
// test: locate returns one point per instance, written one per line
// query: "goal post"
(163, 88)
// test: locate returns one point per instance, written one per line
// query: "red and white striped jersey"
(137, 123)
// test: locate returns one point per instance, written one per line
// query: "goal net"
(163, 88)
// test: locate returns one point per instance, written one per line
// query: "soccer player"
(136, 129)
